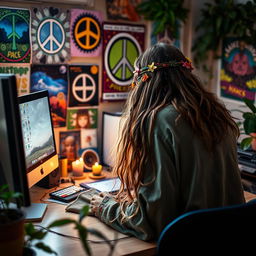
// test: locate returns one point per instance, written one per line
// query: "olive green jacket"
(187, 178)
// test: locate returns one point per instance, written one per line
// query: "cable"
(78, 238)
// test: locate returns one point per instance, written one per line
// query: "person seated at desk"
(177, 150)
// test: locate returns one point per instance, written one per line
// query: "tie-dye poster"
(54, 79)
(83, 85)
(122, 44)
(238, 70)
(86, 33)
(22, 73)
(50, 35)
(14, 35)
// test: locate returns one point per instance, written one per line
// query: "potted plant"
(11, 223)
(167, 17)
(248, 126)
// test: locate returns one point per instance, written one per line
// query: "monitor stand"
(35, 212)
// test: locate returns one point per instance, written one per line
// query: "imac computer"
(110, 131)
(38, 136)
(27, 149)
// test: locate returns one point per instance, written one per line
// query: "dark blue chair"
(226, 230)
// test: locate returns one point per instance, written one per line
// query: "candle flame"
(96, 164)
(81, 159)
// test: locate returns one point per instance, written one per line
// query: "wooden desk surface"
(68, 246)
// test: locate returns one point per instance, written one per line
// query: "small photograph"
(88, 138)
(69, 145)
(82, 118)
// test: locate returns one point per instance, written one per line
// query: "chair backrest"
(211, 231)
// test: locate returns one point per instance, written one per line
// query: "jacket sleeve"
(157, 201)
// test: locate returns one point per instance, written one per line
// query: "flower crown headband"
(142, 73)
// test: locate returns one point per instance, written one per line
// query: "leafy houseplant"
(167, 15)
(219, 19)
(248, 126)
(11, 224)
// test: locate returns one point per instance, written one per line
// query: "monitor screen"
(38, 136)
(110, 132)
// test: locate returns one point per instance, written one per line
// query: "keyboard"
(67, 194)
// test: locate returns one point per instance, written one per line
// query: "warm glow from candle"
(96, 169)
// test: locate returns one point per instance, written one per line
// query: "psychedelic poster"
(54, 79)
(86, 33)
(83, 85)
(122, 44)
(82, 118)
(238, 71)
(50, 35)
(88, 138)
(22, 73)
(14, 35)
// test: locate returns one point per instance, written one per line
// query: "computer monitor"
(12, 158)
(38, 136)
(15, 164)
(110, 132)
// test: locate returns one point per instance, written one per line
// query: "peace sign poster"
(83, 85)
(86, 33)
(122, 44)
(238, 70)
(14, 35)
(50, 35)
(54, 79)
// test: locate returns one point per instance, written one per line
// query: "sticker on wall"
(22, 73)
(14, 35)
(88, 138)
(82, 118)
(54, 79)
(238, 70)
(50, 35)
(83, 88)
(85, 33)
(122, 44)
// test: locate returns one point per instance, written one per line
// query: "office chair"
(229, 229)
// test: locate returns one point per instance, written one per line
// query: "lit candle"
(96, 169)
(78, 167)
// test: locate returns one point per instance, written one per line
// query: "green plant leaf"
(250, 105)
(83, 212)
(83, 235)
(45, 248)
(246, 143)
(250, 124)
(61, 222)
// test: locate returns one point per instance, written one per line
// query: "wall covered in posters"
(59, 48)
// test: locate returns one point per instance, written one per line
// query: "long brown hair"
(177, 86)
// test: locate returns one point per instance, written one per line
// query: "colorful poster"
(122, 44)
(50, 35)
(82, 118)
(86, 33)
(69, 145)
(14, 35)
(54, 79)
(122, 10)
(238, 70)
(83, 85)
(22, 73)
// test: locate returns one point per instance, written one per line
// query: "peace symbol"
(120, 55)
(51, 36)
(86, 38)
(84, 91)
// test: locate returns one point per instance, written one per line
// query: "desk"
(67, 246)
(71, 247)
